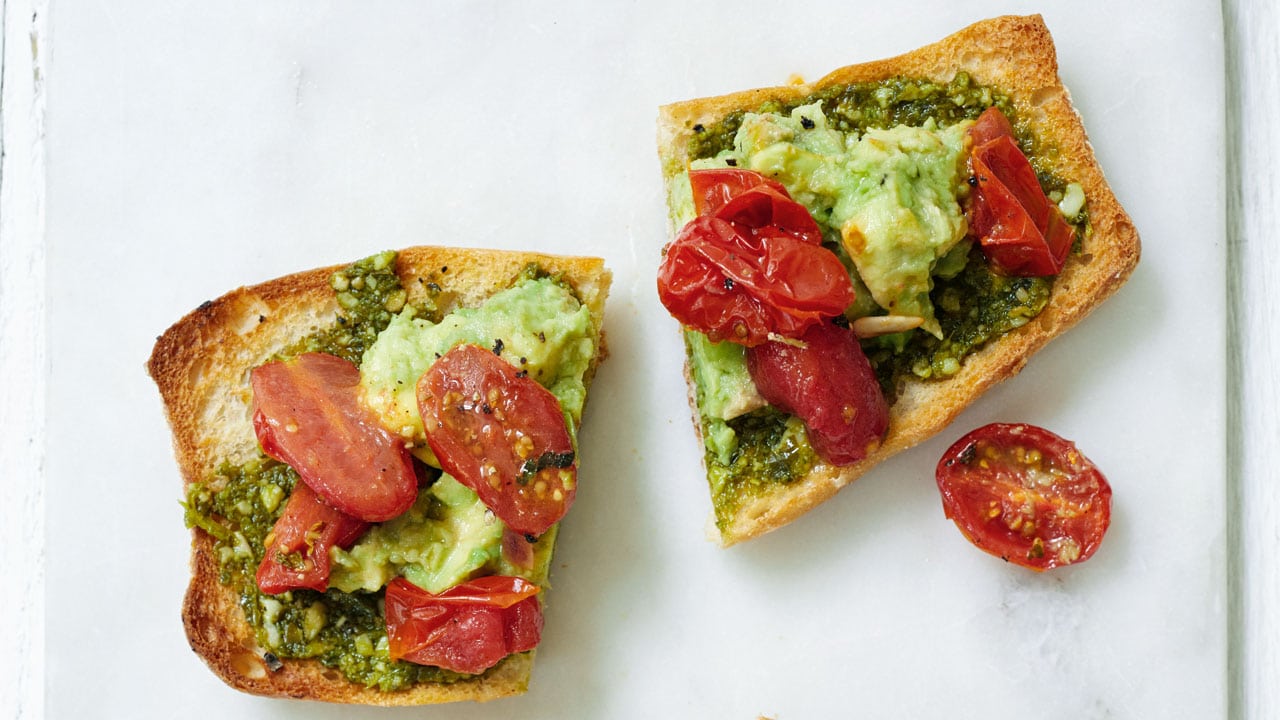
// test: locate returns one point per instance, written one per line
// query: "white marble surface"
(196, 148)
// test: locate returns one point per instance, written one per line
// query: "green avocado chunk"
(447, 537)
(722, 377)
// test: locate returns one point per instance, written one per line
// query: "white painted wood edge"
(23, 361)
(1252, 35)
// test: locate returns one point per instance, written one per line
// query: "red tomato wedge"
(1026, 495)
(308, 414)
(752, 267)
(829, 384)
(297, 552)
(468, 628)
(501, 434)
(1020, 231)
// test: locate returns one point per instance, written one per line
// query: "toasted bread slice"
(1016, 56)
(202, 365)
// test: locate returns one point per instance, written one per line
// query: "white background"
(190, 149)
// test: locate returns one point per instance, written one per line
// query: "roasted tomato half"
(1019, 230)
(308, 414)
(501, 434)
(1025, 495)
(827, 382)
(752, 201)
(752, 266)
(715, 187)
(297, 548)
(467, 628)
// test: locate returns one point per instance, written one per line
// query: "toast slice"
(1013, 57)
(202, 365)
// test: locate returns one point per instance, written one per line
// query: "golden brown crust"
(1015, 54)
(201, 366)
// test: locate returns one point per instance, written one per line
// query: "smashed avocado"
(879, 166)
(448, 535)
(723, 377)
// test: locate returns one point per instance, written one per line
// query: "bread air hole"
(249, 312)
(249, 665)
(756, 510)
(1044, 96)
(196, 374)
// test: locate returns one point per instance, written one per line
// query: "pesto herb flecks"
(530, 468)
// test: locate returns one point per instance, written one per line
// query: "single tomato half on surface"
(1025, 495)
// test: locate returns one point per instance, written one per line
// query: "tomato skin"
(751, 264)
(308, 526)
(990, 125)
(1024, 494)
(830, 385)
(516, 549)
(501, 434)
(713, 188)
(1020, 231)
(467, 628)
(769, 210)
(309, 415)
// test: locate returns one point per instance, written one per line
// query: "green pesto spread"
(369, 294)
(771, 448)
(881, 104)
(874, 163)
(972, 307)
(448, 535)
(345, 631)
